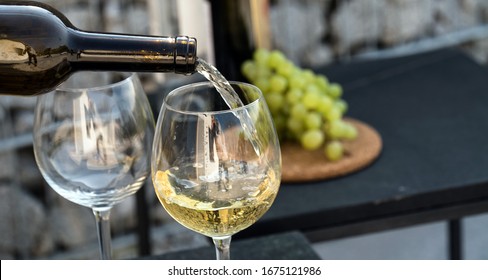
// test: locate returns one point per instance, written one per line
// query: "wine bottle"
(239, 27)
(40, 48)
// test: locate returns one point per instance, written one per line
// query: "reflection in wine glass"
(215, 170)
(92, 145)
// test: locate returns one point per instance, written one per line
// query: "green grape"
(334, 150)
(276, 59)
(313, 120)
(312, 88)
(294, 95)
(341, 105)
(350, 132)
(324, 105)
(285, 110)
(263, 84)
(275, 101)
(279, 121)
(295, 126)
(335, 90)
(298, 111)
(261, 56)
(322, 82)
(248, 69)
(262, 71)
(311, 99)
(312, 139)
(297, 82)
(277, 83)
(335, 129)
(286, 70)
(309, 76)
(333, 114)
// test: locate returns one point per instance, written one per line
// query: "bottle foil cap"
(185, 55)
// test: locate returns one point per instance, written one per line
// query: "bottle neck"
(121, 52)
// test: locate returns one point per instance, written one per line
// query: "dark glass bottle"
(40, 48)
(239, 27)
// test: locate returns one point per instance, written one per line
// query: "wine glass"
(92, 144)
(215, 170)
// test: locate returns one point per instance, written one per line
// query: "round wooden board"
(300, 165)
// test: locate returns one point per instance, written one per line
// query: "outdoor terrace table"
(281, 246)
(431, 111)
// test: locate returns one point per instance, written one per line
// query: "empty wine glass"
(92, 144)
(215, 170)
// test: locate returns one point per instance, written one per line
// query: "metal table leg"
(455, 239)
(143, 222)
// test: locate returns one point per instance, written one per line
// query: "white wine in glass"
(216, 170)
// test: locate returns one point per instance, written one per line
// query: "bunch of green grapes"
(306, 107)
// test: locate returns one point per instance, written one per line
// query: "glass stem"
(103, 229)
(222, 247)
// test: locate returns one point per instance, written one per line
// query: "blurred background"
(36, 223)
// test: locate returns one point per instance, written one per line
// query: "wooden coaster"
(300, 165)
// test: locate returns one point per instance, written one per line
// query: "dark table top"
(282, 246)
(432, 113)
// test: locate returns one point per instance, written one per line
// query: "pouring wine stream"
(231, 98)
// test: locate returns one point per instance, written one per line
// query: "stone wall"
(315, 32)
(35, 222)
